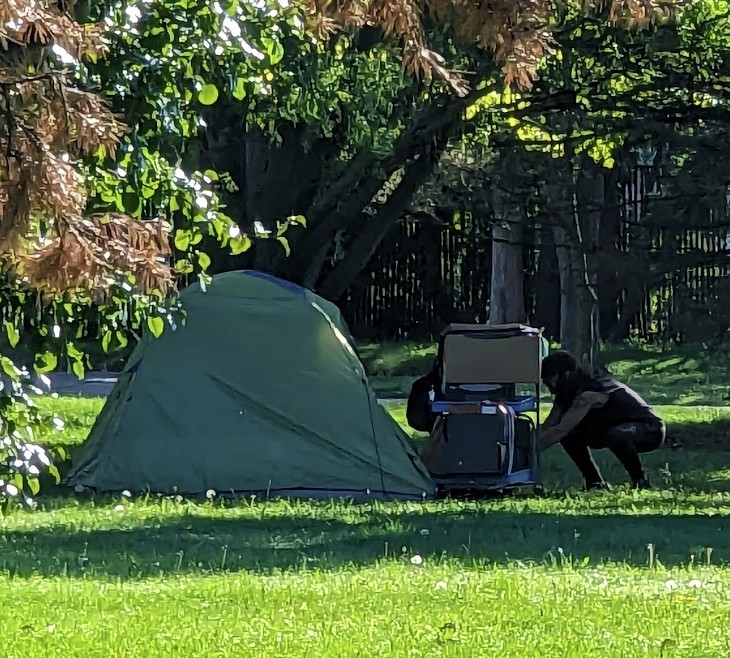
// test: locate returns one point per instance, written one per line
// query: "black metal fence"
(426, 275)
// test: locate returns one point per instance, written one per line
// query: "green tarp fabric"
(260, 392)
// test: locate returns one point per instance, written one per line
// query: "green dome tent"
(260, 392)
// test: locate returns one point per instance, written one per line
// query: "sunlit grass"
(388, 609)
(684, 375)
(605, 574)
(594, 575)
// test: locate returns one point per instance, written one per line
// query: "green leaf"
(285, 244)
(9, 368)
(34, 485)
(183, 266)
(203, 260)
(12, 332)
(239, 244)
(208, 95)
(273, 48)
(156, 326)
(53, 470)
(105, 340)
(45, 362)
(78, 368)
(239, 91)
(182, 240)
(123, 342)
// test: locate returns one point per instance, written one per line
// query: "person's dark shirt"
(624, 405)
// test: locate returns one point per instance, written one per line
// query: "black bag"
(418, 409)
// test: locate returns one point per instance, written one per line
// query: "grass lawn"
(617, 574)
(684, 375)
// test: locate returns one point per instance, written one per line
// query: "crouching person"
(593, 413)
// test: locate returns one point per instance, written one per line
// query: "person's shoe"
(598, 486)
(642, 483)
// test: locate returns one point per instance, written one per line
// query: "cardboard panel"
(476, 360)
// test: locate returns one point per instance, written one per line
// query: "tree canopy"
(144, 142)
(519, 34)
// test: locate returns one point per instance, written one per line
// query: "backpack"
(418, 408)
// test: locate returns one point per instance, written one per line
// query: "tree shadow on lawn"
(680, 522)
(209, 545)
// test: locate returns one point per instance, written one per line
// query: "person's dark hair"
(558, 362)
(572, 378)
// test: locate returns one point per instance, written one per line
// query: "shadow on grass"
(714, 435)
(204, 544)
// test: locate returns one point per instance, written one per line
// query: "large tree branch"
(335, 211)
(345, 196)
(378, 226)
(345, 178)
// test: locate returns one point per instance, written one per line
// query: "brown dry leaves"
(28, 22)
(95, 247)
(44, 124)
(516, 32)
(397, 18)
(634, 13)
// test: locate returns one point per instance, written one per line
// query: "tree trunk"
(578, 311)
(577, 249)
(591, 200)
(568, 301)
(609, 276)
(506, 296)
(425, 142)
(547, 306)
(274, 181)
(340, 204)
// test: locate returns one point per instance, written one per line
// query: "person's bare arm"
(569, 420)
(553, 418)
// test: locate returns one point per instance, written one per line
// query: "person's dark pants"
(626, 441)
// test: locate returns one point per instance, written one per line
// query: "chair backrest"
(491, 354)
